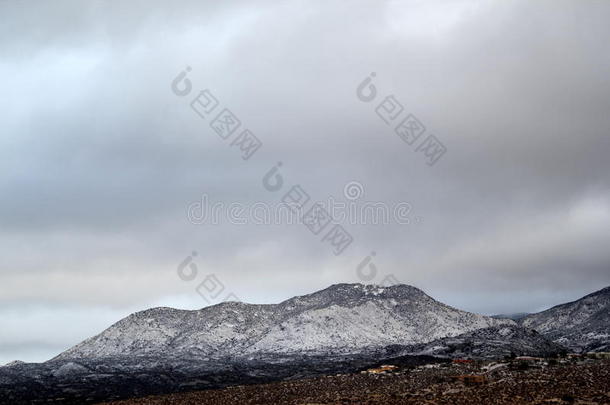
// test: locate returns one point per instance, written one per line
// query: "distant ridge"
(514, 317)
(581, 325)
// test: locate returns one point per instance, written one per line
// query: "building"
(382, 369)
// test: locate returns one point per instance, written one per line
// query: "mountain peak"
(342, 318)
(372, 288)
(356, 294)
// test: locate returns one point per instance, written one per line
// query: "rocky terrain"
(585, 383)
(345, 318)
(581, 325)
(341, 329)
(90, 381)
(494, 342)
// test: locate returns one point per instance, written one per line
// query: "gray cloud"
(99, 159)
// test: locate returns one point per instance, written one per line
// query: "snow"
(68, 369)
(342, 318)
(583, 323)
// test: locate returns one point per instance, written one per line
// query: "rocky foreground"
(512, 382)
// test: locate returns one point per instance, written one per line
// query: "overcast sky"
(100, 159)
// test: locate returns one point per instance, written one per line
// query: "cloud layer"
(100, 159)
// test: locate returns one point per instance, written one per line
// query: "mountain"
(493, 343)
(341, 329)
(581, 325)
(344, 318)
(515, 317)
(13, 363)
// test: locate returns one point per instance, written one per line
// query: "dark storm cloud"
(99, 159)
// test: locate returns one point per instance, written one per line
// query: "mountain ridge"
(343, 328)
(581, 325)
(343, 317)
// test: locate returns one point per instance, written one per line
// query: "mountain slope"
(344, 318)
(493, 342)
(581, 325)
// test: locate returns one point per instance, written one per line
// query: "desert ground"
(509, 382)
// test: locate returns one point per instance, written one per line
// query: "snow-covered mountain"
(581, 325)
(341, 329)
(344, 318)
(493, 342)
